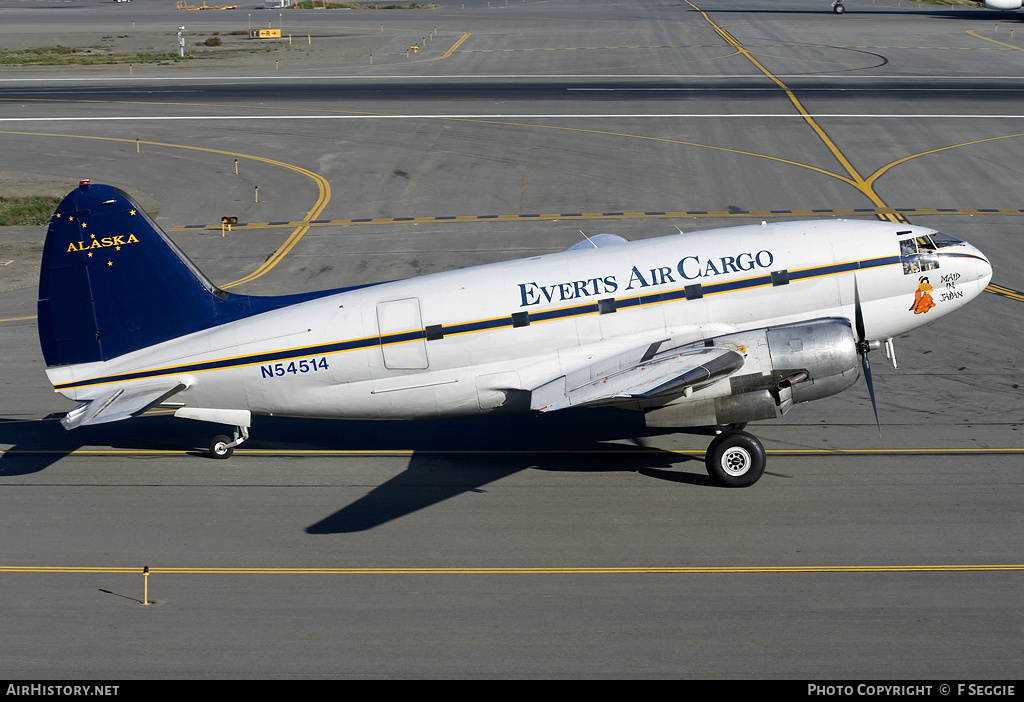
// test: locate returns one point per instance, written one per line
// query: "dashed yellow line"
(667, 214)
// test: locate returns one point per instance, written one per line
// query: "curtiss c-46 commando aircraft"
(714, 328)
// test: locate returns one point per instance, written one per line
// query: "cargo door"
(402, 339)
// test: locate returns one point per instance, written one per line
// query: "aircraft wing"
(120, 403)
(643, 372)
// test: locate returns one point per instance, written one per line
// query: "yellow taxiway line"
(597, 570)
(610, 452)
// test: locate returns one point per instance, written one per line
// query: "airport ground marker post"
(145, 585)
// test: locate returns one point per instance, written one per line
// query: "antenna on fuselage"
(587, 238)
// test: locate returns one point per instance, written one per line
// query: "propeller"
(863, 347)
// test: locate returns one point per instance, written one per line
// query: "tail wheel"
(220, 447)
(735, 459)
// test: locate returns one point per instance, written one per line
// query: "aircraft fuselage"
(460, 342)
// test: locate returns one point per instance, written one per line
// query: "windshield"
(942, 240)
(927, 243)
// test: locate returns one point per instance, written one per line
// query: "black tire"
(838, 9)
(219, 447)
(735, 459)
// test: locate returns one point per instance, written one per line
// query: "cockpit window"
(918, 254)
(942, 240)
(927, 243)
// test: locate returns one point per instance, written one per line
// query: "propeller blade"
(871, 389)
(858, 315)
(863, 348)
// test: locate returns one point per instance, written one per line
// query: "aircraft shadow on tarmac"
(449, 457)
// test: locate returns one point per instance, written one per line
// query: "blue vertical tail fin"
(112, 282)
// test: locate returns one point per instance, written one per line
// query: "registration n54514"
(306, 365)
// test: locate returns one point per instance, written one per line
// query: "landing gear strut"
(735, 459)
(223, 447)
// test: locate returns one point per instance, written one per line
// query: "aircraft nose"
(984, 268)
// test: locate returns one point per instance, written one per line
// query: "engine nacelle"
(1003, 4)
(782, 366)
(814, 360)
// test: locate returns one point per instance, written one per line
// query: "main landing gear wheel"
(735, 459)
(838, 8)
(220, 447)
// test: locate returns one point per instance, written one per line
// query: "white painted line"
(757, 115)
(776, 89)
(135, 79)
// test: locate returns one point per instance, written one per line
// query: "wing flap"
(120, 403)
(649, 374)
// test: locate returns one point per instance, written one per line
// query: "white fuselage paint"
(482, 353)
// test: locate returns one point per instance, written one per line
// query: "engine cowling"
(782, 366)
(813, 360)
(1003, 4)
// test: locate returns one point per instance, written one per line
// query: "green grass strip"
(27, 211)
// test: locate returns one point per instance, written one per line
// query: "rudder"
(112, 282)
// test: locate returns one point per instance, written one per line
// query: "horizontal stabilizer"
(120, 403)
(649, 375)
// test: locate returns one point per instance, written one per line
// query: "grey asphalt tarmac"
(577, 545)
